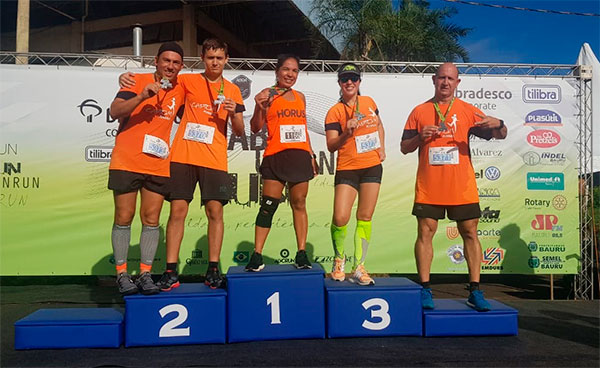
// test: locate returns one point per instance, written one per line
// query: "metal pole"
(137, 39)
(551, 286)
(22, 31)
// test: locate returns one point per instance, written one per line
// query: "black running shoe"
(214, 279)
(126, 285)
(302, 261)
(256, 263)
(168, 281)
(145, 284)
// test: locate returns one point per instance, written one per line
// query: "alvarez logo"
(545, 181)
(541, 93)
(543, 138)
(543, 118)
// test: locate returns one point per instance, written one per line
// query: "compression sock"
(338, 236)
(120, 237)
(362, 237)
(148, 244)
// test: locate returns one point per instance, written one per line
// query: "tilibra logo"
(98, 153)
(543, 118)
(541, 93)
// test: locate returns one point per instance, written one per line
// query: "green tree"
(374, 30)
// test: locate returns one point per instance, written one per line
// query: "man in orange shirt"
(139, 161)
(440, 129)
(199, 156)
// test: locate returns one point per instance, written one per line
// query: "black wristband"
(501, 124)
(314, 156)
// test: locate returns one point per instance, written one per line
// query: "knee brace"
(268, 206)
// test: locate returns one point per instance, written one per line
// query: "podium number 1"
(273, 301)
(170, 329)
(381, 313)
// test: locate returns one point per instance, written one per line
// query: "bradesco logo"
(545, 181)
(541, 93)
(98, 153)
(542, 118)
(543, 138)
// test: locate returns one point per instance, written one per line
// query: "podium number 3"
(381, 313)
(170, 329)
(273, 301)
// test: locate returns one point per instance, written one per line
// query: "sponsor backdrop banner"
(56, 212)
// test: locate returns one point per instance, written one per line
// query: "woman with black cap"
(354, 129)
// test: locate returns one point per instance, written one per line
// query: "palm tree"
(374, 30)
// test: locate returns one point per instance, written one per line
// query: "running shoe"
(214, 279)
(478, 302)
(256, 263)
(337, 273)
(126, 285)
(302, 261)
(145, 284)
(427, 298)
(361, 276)
(168, 281)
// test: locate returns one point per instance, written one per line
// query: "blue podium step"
(391, 307)
(189, 314)
(452, 317)
(70, 328)
(279, 302)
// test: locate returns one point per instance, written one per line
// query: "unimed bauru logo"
(543, 138)
(541, 93)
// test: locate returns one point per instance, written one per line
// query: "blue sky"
(516, 36)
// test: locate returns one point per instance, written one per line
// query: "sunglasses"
(346, 78)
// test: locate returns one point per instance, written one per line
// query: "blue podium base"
(452, 317)
(279, 302)
(70, 328)
(391, 307)
(189, 314)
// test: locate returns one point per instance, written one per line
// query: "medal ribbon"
(439, 112)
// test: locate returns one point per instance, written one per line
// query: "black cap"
(349, 69)
(170, 46)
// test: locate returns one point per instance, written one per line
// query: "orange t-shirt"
(201, 138)
(445, 175)
(286, 125)
(349, 157)
(154, 116)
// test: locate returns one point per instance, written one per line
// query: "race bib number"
(155, 146)
(367, 142)
(292, 133)
(199, 133)
(443, 155)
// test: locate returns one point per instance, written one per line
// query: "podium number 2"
(170, 329)
(273, 301)
(381, 313)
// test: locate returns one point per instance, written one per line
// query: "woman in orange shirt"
(288, 157)
(354, 129)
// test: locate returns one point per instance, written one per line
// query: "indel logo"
(543, 118)
(541, 93)
(543, 138)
